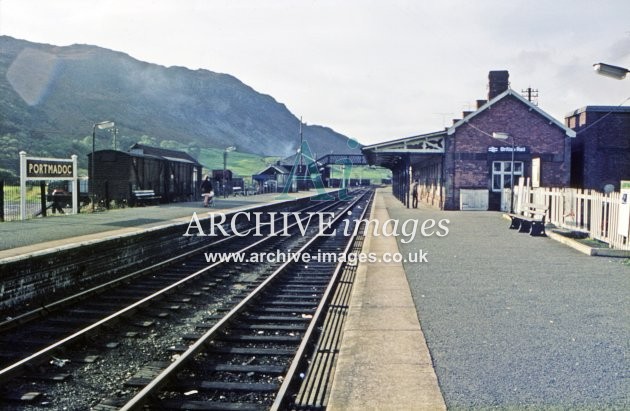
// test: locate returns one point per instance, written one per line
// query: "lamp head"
(104, 124)
(500, 135)
(609, 70)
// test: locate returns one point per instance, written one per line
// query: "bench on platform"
(143, 197)
(530, 220)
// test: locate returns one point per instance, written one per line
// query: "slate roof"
(167, 154)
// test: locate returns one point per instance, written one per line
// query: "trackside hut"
(273, 178)
(464, 164)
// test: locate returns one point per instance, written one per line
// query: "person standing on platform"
(206, 191)
(414, 194)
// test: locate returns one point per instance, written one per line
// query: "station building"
(467, 165)
(600, 154)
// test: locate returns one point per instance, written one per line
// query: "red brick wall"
(468, 163)
(603, 137)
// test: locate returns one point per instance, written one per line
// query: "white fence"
(587, 211)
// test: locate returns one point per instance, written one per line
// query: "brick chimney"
(498, 83)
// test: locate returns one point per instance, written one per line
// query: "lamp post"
(609, 70)
(115, 133)
(505, 136)
(300, 184)
(101, 126)
(225, 153)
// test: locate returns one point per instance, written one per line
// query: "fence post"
(42, 193)
(77, 187)
(1, 201)
(107, 194)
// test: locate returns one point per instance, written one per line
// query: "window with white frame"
(502, 174)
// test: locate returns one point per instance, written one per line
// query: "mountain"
(50, 98)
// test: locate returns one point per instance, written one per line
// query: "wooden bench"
(531, 219)
(143, 197)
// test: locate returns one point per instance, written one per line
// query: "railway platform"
(482, 317)
(384, 362)
(20, 239)
(511, 321)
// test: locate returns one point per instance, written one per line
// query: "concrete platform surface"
(384, 362)
(518, 322)
(23, 238)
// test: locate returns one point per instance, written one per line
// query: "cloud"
(369, 69)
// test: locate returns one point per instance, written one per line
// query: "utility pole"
(115, 133)
(531, 95)
(299, 173)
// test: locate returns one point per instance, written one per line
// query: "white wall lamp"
(609, 70)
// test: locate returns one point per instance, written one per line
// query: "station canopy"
(391, 154)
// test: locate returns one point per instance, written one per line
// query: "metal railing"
(37, 199)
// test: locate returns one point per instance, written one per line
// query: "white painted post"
(75, 178)
(22, 185)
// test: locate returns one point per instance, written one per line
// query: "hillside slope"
(51, 97)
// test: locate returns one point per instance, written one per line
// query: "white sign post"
(40, 168)
(623, 222)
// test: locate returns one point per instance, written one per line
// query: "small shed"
(273, 179)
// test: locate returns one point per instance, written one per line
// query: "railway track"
(219, 335)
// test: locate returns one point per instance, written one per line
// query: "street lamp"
(101, 126)
(115, 133)
(609, 70)
(225, 153)
(505, 136)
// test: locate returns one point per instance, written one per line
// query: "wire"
(578, 132)
(602, 117)
(478, 129)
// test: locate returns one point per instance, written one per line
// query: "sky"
(371, 70)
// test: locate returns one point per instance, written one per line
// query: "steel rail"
(9, 371)
(29, 315)
(15, 321)
(140, 399)
(300, 355)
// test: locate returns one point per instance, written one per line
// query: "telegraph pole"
(531, 95)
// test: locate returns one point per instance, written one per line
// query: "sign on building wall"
(623, 222)
(508, 149)
(536, 172)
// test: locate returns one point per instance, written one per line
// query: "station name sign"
(40, 168)
(49, 168)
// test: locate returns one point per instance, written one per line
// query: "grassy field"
(241, 164)
(245, 164)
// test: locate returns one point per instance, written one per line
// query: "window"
(502, 174)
